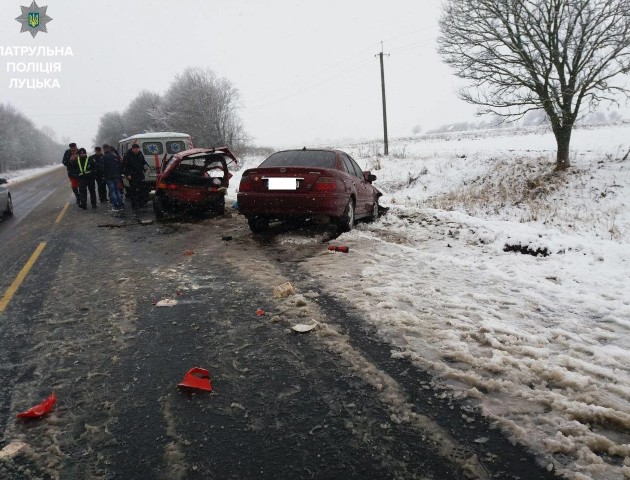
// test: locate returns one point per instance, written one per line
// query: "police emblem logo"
(34, 19)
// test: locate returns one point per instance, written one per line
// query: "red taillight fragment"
(167, 186)
(246, 185)
(325, 184)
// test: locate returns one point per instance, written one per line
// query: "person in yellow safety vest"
(87, 178)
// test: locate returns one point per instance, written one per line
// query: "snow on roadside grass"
(541, 342)
(19, 175)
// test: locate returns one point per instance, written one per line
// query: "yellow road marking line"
(63, 212)
(20, 278)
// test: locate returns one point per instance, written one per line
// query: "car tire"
(158, 207)
(346, 221)
(9, 211)
(258, 224)
(220, 207)
(375, 210)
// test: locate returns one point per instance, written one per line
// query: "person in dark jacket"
(87, 169)
(121, 187)
(73, 175)
(98, 174)
(112, 173)
(133, 168)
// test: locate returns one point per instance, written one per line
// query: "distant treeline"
(197, 103)
(22, 145)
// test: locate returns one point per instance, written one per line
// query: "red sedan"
(326, 185)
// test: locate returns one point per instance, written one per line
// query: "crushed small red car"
(194, 180)
(324, 185)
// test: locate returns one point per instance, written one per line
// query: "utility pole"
(384, 103)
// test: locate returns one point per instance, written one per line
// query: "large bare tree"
(203, 105)
(111, 128)
(560, 56)
(138, 116)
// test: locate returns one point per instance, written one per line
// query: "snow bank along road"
(331, 403)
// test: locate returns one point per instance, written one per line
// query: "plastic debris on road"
(188, 253)
(260, 312)
(197, 378)
(12, 449)
(284, 290)
(167, 302)
(303, 328)
(41, 409)
(338, 248)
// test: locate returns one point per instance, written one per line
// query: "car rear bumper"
(193, 199)
(291, 205)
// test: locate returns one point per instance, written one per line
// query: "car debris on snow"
(284, 290)
(40, 409)
(196, 378)
(12, 450)
(167, 302)
(303, 328)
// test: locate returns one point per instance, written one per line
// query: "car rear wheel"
(220, 206)
(346, 222)
(258, 224)
(9, 211)
(158, 207)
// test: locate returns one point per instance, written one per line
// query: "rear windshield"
(301, 158)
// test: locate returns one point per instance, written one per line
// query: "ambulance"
(156, 147)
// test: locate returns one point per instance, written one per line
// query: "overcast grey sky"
(306, 70)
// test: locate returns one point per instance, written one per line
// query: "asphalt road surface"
(85, 323)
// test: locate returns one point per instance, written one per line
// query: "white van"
(155, 146)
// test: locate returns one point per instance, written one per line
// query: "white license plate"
(282, 183)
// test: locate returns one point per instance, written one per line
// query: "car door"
(353, 181)
(364, 199)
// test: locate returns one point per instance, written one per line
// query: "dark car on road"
(194, 180)
(325, 185)
(6, 204)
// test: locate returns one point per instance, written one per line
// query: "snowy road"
(332, 403)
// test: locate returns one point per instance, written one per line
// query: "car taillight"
(246, 185)
(167, 186)
(325, 184)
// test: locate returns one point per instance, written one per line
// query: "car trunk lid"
(284, 179)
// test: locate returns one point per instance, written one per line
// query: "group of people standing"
(102, 173)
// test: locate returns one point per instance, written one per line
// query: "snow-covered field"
(540, 343)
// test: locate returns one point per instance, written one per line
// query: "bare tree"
(138, 116)
(111, 129)
(559, 56)
(204, 106)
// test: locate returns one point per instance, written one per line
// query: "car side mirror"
(3, 181)
(369, 177)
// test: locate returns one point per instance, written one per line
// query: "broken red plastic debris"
(41, 409)
(197, 378)
(340, 248)
(260, 312)
(188, 253)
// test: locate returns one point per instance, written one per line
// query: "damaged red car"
(194, 180)
(324, 185)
